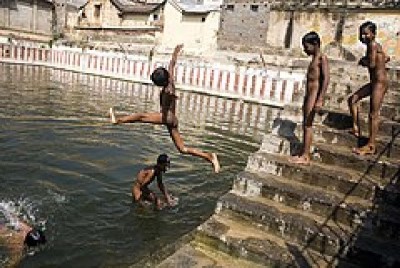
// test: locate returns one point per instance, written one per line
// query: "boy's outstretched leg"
(152, 118)
(178, 141)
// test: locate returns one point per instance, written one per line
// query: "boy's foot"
(112, 116)
(368, 149)
(215, 162)
(300, 160)
(354, 132)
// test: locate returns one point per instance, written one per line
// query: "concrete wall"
(282, 28)
(244, 21)
(27, 16)
(110, 16)
(198, 32)
(336, 40)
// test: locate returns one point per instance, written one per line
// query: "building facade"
(276, 26)
(122, 20)
(194, 24)
(29, 20)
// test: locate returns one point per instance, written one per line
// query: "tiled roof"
(192, 7)
(126, 6)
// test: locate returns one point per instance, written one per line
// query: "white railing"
(270, 87)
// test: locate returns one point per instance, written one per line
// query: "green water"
(63, 163)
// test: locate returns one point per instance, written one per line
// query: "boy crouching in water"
(316, 86)
(140, 189)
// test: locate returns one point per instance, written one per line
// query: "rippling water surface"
(63, 164)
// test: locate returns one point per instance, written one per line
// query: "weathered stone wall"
(279, 26)
(244, 21)
(29, 16)
(338, 30)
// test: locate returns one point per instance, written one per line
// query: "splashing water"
(13, 212)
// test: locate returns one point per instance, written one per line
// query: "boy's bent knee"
(352, 100)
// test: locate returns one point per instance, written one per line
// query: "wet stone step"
(388, 146)
(249, 240)
(376, 165)
(299, 227)
(224, 233)
(330, 205)
(316, 174)
(193, 255)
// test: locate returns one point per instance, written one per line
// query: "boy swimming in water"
(140, 189)
(375, 60)
(316, 86)
(166, 80)
(18, 238)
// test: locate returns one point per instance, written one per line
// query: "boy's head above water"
(367, 32)
(311, 42)
(163, 162)
(160, 77)
(34, 238)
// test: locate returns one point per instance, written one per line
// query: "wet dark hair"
(370, 25)
(163, 159)
(311, 38)
(34, 238)
(160, 77)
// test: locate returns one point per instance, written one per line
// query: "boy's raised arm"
(172, 63)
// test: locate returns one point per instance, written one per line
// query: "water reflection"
(61, 154)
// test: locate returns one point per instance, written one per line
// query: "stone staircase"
(342, 210)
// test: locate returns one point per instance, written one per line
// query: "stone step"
(388, 146)
(240, 238)
(390, 106)
(197, 255)
(316, 174)
(330, 205)
(339, 157)
(342, 120)
(301, 227)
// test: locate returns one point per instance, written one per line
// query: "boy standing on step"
(375, 60)
(316, 86)
(166, 80)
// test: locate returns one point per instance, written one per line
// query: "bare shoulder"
(146, 172)
(324, 58)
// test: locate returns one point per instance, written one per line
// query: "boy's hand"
(363, 62)
(179, 47)
(318, 105)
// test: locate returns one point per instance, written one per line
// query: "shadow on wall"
(336, 50)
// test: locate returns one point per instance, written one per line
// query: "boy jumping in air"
(375, 60)
(316, 86)
(166, 79)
